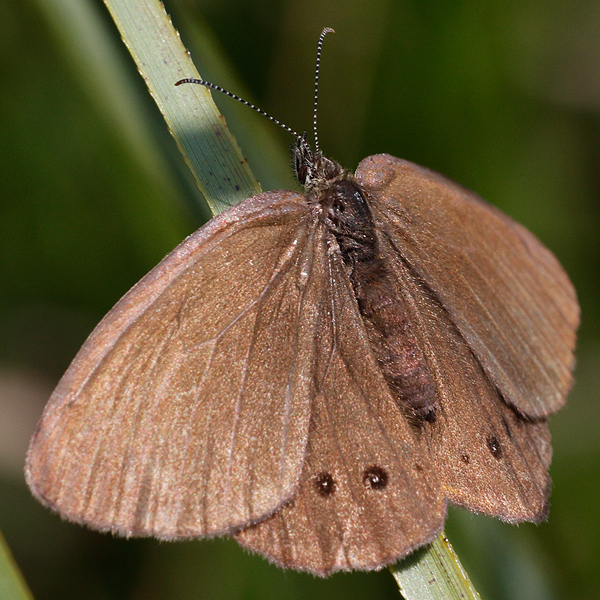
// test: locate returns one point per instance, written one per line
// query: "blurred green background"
(503, 97)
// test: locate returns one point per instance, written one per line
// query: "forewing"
(505, 292)
(186, 412)
(488, 458)
(357, 430)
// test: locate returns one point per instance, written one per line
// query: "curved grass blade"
(12, 584)
(220, 170)
(434, 573)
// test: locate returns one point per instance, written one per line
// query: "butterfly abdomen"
(394, 345)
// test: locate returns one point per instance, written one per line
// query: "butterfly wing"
(503, 290)
(488, 458)
(186, 412)
(368, 492)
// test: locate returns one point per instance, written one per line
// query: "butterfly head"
(312, 169)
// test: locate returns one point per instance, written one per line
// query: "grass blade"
(434, 573)
(12, 585)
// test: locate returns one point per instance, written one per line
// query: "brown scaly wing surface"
(504, 291)
(186, 412)
(487, 457)
(339, 519)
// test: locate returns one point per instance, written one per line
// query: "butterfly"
(318, 375)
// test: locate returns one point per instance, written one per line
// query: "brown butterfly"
(318, 375)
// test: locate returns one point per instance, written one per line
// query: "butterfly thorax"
(349, 219)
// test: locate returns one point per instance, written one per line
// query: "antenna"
(299, 137)
(218, 88)
(319, 48)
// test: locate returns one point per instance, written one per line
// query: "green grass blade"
(12, 585)
(208, 147)
(434, 573)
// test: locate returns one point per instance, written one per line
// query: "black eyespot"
(325, 484)
(418, 468)
(465, 458)
(375, 478)
(493, 443)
